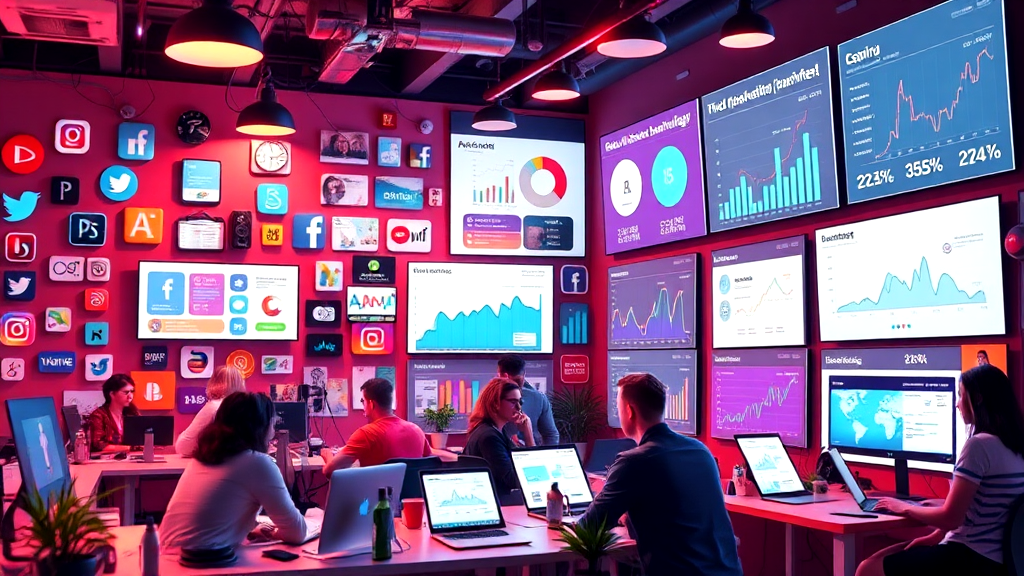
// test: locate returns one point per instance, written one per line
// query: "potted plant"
(67, 534)
(578, 415)
(590, 540)
(440, 419)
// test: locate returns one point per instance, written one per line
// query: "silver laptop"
(772, 471)
(348, 513)
(463, 512)
(540, 466)
(866, 504)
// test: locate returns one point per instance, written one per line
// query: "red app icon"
(22, 154)
(575, 368)
(20, 247)
(374, 339)
(72, 136)
(17, 329)
(96, 299)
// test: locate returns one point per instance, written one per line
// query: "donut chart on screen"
(526, 182)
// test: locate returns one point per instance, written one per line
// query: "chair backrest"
(605, 451)
(411, 486)
(1013, 547)
(465, 461)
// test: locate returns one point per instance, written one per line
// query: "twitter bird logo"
(99, 367)
(118, 183)
(22, 208)
(20, 285)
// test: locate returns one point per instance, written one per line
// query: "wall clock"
(193, 127)
(271, 157)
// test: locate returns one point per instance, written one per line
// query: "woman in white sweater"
(226, 380)
(230, 479)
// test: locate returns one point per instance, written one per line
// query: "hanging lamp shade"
(747, 29)
(266, 117)
(494, 118)
(556, 85)
(214, 36)
(636, 38)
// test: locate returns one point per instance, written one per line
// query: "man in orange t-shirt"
(386, 436)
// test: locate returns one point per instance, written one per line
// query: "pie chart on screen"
(542, 181)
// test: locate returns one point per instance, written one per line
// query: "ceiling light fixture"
(215, 36)
(494, 118)
(266, 117)
(556, 85)
(636, 38)
(747, 29)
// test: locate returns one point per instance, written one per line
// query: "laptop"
(772, 471)
(463, 512)
(604, 452)
(348, 513)
(538, 467)
(866, 504)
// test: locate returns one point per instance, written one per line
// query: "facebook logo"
(308, 232)
(135, 141)
(165, 293)
(574, 279)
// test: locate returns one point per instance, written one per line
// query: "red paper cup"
(412, 513)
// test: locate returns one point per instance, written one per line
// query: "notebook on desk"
(540, 466)
(462, 509)
(772, 471)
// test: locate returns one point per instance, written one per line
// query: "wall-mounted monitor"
(371, 303)
(653, 304)
(924, 274)
(207, 301)
(676, 369)
(652, 181)
(769, 145)
(926, 100)
(757, 295)
(476, 308)
(755, 391)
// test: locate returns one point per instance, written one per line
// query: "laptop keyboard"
(475, 535)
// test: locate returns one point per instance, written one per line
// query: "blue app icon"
(87, 229)
(136, 141)
(20, 208)
(238, 304)
(308, 232)
(97, 333)
(239, 282)
(272, 199)
(574, 279)
(238, 326)
(19, 285)
(165, 293)
(119, 183)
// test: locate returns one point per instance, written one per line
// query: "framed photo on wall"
(344, 147)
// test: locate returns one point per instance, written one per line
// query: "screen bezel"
(494, 492)
(750, 469)
(515, 464)
(20, 409)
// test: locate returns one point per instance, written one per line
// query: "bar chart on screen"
(676, 369)
(754, 391)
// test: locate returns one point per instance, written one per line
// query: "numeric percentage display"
(923, 167)
(875, 178)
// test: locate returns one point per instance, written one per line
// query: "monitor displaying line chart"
(653, 304)
(474, 308)
(758, 295)
(676, 369)
(926, 100)
(755, 391)
(520, 193)
(930, 273)
(769, 145)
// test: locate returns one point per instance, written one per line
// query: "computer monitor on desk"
(293, 417)
(135, 428)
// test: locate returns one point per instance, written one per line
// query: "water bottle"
(553, 512)
(383, 527)
(148, 454)
(81, 447)
(739, 480)
(150, 554)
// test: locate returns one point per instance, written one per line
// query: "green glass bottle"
(383, 526)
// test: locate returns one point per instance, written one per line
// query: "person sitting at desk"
(106, 423)
(230, 478)
(499, 403)
(385, 437)
(670, 488)
(986, 480)
(226, 380)
(535, 403)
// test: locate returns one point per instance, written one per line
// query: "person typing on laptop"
(670, 489)
(500, 402)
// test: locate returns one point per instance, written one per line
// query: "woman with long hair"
(499, 403)
(230, 479)
(988, 477)
(106, 423)
(226, 380)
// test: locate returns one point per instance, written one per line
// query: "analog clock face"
(193, 127)
(271, 156)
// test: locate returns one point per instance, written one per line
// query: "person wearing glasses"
(535, 403)
(106, 423)
(500, 402)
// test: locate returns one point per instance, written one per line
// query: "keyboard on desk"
(869, 506)
(474, 535)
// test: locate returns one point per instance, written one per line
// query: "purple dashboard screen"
(756, 391)
(653, 181)
(652, 304)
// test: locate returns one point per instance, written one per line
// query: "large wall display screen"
(930, 273)
(653, 304)
(754, 391)
(474, 308)
(199, 301)
(769, 145)
(926, 100)
(676, 369)
(518, 193)
(758, 294)
(652, 181)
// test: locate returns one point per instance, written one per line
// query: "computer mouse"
(121, 456)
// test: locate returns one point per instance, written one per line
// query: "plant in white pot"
(67, 534)
(440, 420)
(578, 415)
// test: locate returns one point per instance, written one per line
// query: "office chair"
(604, 452)
(470, 462)
(1013, 543)
(411, 484)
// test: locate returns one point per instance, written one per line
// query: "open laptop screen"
(537, 468)
(848, 477)
(770, 465)
(459, 500)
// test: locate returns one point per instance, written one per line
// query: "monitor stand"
(902, 483)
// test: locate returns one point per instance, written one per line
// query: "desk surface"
(817, 516)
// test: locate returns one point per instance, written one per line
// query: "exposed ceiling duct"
(95, 22)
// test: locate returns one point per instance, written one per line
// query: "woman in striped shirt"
(987, 479)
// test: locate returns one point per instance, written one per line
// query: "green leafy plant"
(809, 479)
(590, 540)
(64, 527)
(578, 413)
(441, 418)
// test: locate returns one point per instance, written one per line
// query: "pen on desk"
(853, 515)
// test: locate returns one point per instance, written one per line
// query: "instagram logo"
(373, 339)
(72, 137)
(17, 329)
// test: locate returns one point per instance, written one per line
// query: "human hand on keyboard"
(263, 533)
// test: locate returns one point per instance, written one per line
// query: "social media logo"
(409, 235)
(22, 154)
(17, 329)
(135, 141)
(373, 339)
(19, 209)
(64, 190)
(20, 246)
(98, 367)
(165, 293)
(238, 304)
(242, 360)
(87, 229)
(57, 362)
(197, 361)
(19, 285)
(419, 155)
(272, 199)
(97, 333)
(308, 232)
(277, 364)
(96, 299)
(364, 508)
(574, 279)
(12, 369)
(238, 326)
(154, 390)
(272, 306)
(67, 268)
(57, 320)
(143, 225)
(238, 282)
(119, 183)
(97, 269)
(328, 275)
(72, 136)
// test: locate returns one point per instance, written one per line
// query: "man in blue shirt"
(669, 487)
(535, 404)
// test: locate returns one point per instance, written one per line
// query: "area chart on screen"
(926, 100)
(676, 369)
(652, 304)
(754, 391)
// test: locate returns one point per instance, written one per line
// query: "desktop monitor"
(72, 422)
(37, 438)
(135, 428)
(293, 417)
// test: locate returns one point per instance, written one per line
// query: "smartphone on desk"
(281, 555)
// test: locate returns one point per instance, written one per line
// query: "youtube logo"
(20, 247)
(22, 154)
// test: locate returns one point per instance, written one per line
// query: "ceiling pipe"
(566, 49)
